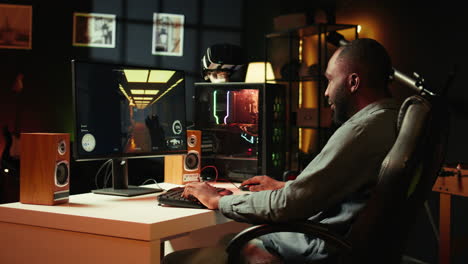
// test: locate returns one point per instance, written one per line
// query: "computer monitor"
(123, 112)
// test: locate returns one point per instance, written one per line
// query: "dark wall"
(206, 22)
(45, 103)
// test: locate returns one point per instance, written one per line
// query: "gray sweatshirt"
(336, 183)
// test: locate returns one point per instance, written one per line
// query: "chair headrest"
(412, 100)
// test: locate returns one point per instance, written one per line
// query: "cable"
(148, 180)
(153, 180)
(431, 220)
(227, 180)
(237, 186)
(99, 170)
(216, 177)
(108, 174)
(408, 259)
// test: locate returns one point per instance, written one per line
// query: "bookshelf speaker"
(44, 168)
(181, 169)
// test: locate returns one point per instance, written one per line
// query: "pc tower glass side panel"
(273, 125)
(242, 127)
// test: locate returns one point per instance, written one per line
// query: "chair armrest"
(321, 231)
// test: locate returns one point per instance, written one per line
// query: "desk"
(94, 228)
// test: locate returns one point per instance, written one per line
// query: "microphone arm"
(416, 84)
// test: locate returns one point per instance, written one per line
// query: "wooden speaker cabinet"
(181, 169)
(44, 168)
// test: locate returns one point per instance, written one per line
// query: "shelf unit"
(299, 58)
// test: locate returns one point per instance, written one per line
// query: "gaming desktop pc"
(243, 128)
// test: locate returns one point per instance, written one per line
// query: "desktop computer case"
(246, 138)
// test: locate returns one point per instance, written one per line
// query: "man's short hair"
(370, 57)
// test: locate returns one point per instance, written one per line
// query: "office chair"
(406, 177)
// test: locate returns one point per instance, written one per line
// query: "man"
(335, 186)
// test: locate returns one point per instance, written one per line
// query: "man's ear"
(353, 82)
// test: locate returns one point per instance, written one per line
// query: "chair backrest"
(406, 177)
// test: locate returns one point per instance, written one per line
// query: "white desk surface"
(138, 217)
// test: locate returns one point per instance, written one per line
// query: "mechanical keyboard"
(173, 197)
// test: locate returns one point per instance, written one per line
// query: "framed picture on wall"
(15, 26)
(168, 34)
(94, 30)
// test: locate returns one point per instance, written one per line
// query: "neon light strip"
(214, 107)
(251, 140)
(227, 109)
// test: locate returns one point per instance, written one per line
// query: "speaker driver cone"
(61, 174)
(191, 161)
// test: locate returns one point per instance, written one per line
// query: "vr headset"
(222, 57)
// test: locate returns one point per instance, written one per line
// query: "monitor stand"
(120, 185)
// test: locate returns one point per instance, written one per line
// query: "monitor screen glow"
(123, 112)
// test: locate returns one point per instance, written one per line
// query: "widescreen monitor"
(123, 112)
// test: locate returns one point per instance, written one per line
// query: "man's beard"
(341, 102)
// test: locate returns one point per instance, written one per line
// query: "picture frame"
(168, 34)
(15, 26)
(94, 30)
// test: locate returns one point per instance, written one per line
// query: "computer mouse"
(247, 186)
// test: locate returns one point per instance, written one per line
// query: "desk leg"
(444, 228)
(161, 250)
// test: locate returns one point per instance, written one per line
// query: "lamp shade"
(256, 72)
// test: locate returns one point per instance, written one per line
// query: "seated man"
(336, 184)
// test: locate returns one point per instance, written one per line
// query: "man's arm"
(208, 195)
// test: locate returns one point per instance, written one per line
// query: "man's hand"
(204, 192)
(261, 183)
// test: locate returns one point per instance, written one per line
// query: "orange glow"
(370, 22)
(309, 94)
(132, 144)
